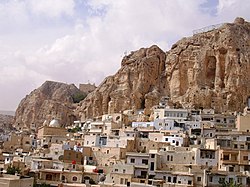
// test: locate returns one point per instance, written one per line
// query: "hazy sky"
(76, 41)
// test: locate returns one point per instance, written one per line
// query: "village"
(178, 147)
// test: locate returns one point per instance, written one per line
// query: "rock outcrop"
(53, 100)
(6, 122)
(208, 70)
(211, 69)
(137, 85)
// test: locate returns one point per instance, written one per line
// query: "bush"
(12, 170)
(79, 97)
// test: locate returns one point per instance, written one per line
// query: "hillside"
(207, 70)
(49, 101)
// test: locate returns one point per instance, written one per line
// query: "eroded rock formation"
(212, 69)
(53, 100)
(209, 70)
(136, 85)
(6, 122)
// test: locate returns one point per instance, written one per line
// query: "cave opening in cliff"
(143, 103)
(210, 71)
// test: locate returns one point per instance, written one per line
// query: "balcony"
(230, 161)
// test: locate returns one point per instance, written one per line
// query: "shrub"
(12, 170)
(77, 97)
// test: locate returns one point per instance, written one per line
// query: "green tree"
(231, 183)
(74, 130)
(12, 170)
(77, 97)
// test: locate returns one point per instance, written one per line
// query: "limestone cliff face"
(138, 84)
(51, 100)
(210, 70)
(6, 122)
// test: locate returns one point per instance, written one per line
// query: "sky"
(81, 41)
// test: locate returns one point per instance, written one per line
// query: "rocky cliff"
(6, 122)
(51, 100)
(138, 84)
(210, 69)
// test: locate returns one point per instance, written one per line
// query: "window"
(231, 169)
(174, 179)
(74, 178)
(132, 160)
(124, 170)
(153, 156)
(177, 143)
(49, 177)
(107, 151)
(210, 179)
(116, 170)
(90, 158)
(189, 182)
(152, 166)
(144, 161)
(245, 157)
(63, 178)
(226, 157)
(242, 146)
(166, 139)
(198, 179)
(169, 179)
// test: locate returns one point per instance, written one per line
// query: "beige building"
(51, 134)
(15, 181)
(243, 121)
(121, 174)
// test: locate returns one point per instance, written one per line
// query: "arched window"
(74, 178)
